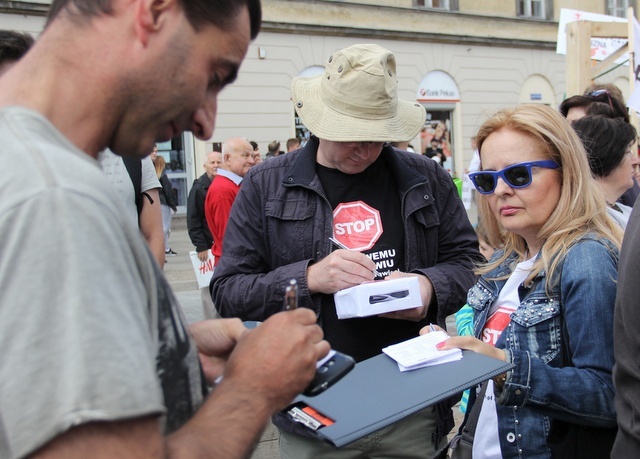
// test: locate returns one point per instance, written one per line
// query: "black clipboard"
(376, 394)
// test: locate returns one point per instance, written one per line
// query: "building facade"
(462, 59)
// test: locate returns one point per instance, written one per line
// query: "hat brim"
(329, 124)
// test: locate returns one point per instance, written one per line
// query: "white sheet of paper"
(421, 352)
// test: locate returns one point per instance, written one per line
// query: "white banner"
(634, 100)
(601, 48)
(203, 269)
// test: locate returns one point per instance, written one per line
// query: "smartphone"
(329, 369)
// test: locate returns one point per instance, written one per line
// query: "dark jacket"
(167, 197)
(199, 232)
(281, 222)
(626, 341)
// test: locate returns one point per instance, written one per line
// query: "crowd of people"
(97, 359)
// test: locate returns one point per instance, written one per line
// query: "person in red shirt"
(237, 159)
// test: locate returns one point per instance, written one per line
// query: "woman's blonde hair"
(160, 164)
(582, 206)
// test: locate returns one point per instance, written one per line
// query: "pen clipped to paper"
(340, 245)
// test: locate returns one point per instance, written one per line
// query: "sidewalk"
(179, 273)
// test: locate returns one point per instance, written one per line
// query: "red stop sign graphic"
(357, 225)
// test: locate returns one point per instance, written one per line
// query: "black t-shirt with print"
(352, 196)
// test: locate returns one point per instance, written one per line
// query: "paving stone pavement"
(179, 273)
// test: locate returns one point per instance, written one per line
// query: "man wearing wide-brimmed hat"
(397, 212)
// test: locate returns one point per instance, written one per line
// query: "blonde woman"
(545, 300)
(167, 200)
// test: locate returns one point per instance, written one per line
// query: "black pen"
(291, 295)
(340, 245)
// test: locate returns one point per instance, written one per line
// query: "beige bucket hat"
(356, 99)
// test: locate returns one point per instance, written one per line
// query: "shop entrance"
(439, 137)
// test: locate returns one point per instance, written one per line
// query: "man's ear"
(151, 15)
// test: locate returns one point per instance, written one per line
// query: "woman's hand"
(431, 328)
(469, 343)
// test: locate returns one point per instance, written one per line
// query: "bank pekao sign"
(357, 225)
(438, 86)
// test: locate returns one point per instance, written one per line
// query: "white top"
(621, 217)
(474, 164)
(115, 170)
(486, 443)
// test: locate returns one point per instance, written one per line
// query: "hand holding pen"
(339, 270)
(340, 245)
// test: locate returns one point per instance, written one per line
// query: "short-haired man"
(96, 359)
(289, 207)
(199, 232)
(293, 144)
(237, 159)
(273, 149)
(257, 157)
(13, 45)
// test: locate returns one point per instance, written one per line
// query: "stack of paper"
(422, 352)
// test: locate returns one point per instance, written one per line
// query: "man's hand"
(215, 340)
(203, 256)
(276, 361)
(339, 270)
(426, 293)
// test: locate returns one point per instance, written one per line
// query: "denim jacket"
(545, 383)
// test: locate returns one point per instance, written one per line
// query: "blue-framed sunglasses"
(516, 176)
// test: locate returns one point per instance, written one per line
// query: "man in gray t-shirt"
(96, 358)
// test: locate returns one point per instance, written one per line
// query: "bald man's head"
(237, 156)
(212, 162)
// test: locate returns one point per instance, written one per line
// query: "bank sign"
(438, 86)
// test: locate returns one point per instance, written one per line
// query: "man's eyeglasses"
(516, 176)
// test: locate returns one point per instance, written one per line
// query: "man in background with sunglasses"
(576, 107)
(606, 100)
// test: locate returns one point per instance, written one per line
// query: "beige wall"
(593, 6)
(258, 105)
(22, 23)
(506, 8)
(487, 51)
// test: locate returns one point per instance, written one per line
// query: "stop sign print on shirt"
(357, 225)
